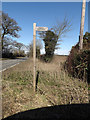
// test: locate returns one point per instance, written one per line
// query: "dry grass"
(55, 87)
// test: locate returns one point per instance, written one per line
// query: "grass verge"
(54, 87)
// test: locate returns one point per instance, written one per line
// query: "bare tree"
(0, 32)
(38, 48)
(61, 28)
(9, 27)
(18, 45)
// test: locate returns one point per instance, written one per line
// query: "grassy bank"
(54, 87)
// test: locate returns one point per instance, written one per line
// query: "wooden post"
(34, 57)
(34, 51)
(82, 25)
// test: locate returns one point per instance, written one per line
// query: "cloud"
(61, 52)
(42, 51)
(58, 52)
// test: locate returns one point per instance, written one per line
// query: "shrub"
(78, 62)
(50, 41)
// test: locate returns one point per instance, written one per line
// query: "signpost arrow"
(41, 28)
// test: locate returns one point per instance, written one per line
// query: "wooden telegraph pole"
(82, 25)
(34, 57)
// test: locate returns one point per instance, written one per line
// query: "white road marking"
(9, 67)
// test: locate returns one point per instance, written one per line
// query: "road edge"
(9, 67)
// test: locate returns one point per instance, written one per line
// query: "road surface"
(5, 64)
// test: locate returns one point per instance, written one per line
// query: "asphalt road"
(5, 64)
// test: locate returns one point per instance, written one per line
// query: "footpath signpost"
(34, 51)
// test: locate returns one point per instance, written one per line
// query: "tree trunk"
(2, 41)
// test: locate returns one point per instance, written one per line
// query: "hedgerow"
(78, 61)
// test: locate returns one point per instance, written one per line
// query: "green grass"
(54, 87)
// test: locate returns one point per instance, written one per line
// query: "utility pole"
(34, 57)
(82, 25)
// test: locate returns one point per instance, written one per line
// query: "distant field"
(54, 86)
